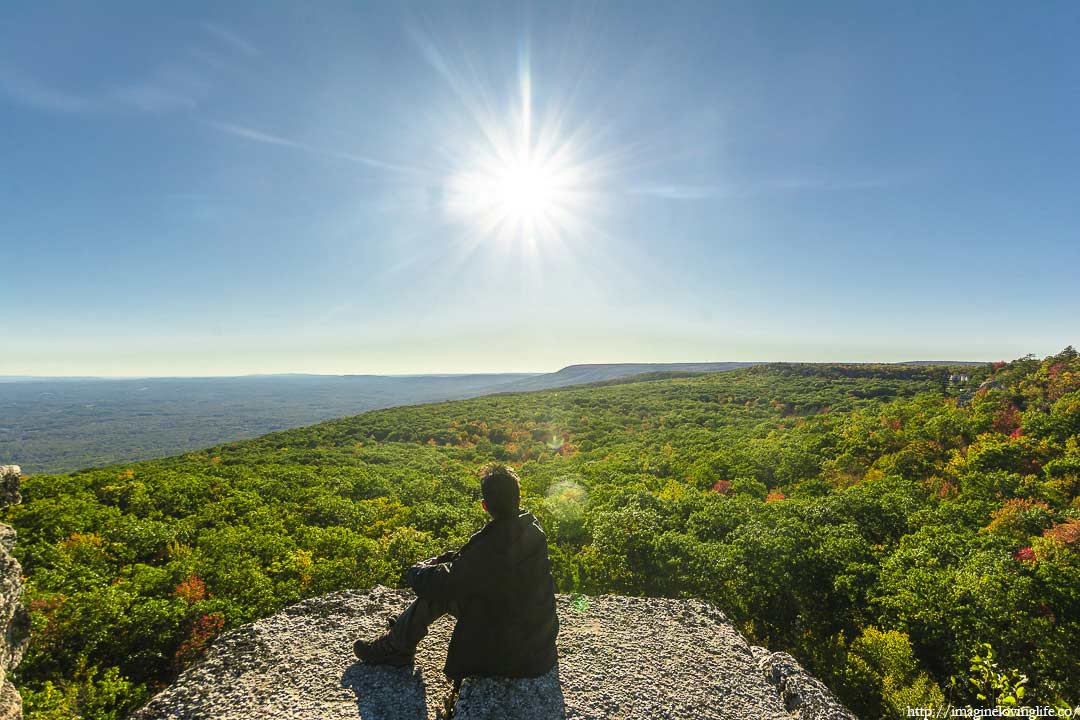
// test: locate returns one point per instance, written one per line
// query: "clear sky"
(219, 188)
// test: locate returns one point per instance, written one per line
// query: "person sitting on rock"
(499, 588)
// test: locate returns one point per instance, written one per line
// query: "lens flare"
(566, 500)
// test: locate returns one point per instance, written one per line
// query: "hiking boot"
(383, 651)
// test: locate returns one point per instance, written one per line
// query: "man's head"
(500, 488)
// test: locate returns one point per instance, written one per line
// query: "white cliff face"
(619, 657)
(14, 618)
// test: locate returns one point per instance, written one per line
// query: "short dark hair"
(501, 489)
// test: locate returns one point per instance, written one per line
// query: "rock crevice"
(619, 657)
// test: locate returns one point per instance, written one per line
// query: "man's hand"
(446, 557)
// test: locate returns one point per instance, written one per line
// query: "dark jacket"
(500, 588)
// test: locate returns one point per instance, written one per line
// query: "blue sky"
(207, 189)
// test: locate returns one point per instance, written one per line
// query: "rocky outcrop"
(10, 476)
(14, 618)
(802, 693)
(619, 657)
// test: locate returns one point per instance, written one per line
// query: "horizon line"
(14, 376)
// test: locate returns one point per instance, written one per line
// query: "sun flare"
(520, 192)
(520, 184)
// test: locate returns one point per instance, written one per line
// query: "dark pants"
(412, 625)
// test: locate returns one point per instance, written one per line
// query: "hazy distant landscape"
(64, 424)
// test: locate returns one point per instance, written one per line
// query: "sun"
(519, 191)
(519, 184)
(526, 189)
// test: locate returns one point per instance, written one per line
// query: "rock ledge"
(619, 657)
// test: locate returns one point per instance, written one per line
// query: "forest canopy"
(882, 523)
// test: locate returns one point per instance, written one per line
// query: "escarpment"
(14, 618)
(619, 657)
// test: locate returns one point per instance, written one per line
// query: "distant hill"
(965, 363)
(582, 374)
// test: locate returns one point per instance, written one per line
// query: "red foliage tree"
(722, 486)
(206, 628)
(191, 590)
(1024, 555)
(1006, 420)
(1067, 533)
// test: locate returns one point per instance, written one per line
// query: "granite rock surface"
(619, 657)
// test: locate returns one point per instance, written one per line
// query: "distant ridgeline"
(878, 523)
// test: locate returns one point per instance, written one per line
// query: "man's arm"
(429, 581)
(429, 578)
(436, 578)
